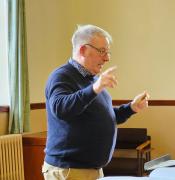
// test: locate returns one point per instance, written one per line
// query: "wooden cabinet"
(33, 151)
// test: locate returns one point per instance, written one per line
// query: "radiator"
(11, 157)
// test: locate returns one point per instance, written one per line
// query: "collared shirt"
(80, 68)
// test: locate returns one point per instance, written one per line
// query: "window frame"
(4, 82)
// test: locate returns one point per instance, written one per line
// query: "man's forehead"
(100, 41)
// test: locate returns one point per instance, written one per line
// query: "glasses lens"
(101, 51)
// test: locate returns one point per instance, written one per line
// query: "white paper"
(136, 178)
(163, 164)
(167, 173)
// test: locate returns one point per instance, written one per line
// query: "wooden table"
(33, 151)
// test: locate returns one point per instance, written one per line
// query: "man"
(81, 119)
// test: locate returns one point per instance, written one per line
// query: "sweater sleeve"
(65, 100)
(123, 112)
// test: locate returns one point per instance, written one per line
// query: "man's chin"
(98, 71)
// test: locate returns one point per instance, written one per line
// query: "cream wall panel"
(160, 122)
(3, 123)
(143, 47)
(38, 120)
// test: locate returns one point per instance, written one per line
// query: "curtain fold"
(18, 68)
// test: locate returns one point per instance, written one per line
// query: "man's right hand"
(106, 79)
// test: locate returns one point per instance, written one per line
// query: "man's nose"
(107, 57)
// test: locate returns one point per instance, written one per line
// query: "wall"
(143, 48)
(37, 121)
(3, 123)
(160, 124)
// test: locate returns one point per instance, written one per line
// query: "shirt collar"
(82, 70)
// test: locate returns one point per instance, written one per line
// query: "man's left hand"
(140, 102)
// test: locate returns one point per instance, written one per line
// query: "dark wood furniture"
(135, 139)
(128, 138)
(33, 151)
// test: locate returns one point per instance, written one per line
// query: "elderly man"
(81, 119)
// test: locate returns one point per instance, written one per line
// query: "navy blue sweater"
(81, 124)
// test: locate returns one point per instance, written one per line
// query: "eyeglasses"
(101, 51)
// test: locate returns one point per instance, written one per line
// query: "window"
(4, 88)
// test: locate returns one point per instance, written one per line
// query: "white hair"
(85, 33)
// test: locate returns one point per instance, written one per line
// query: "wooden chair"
(123, 163)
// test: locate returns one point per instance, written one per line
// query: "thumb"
(144, 96)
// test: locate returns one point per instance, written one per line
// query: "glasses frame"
(101, 51)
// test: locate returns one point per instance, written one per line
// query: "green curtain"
(18, 68)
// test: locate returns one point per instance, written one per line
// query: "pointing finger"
(111, 70)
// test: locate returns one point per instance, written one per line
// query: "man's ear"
(82, 50)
